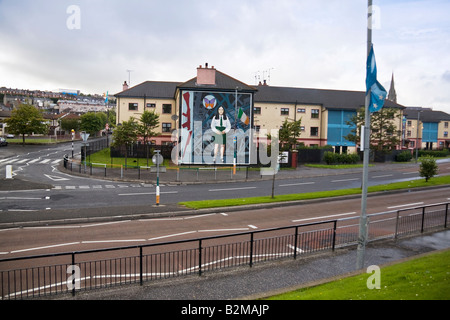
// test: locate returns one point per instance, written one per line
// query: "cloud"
(319, 44)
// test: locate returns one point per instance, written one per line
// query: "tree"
(149, 121)
(289, 133)
(384, 134)
(125, 134)
(93, 122)
(428, 168)
(69, 124)
(26, 119)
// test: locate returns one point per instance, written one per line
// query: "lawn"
(424, 278)
(315, 195)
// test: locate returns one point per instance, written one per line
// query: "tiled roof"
(330, 99)
(223, 81)
(426, 114)
(150, 89)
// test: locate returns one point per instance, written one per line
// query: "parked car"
(10, 135)
(3, 142)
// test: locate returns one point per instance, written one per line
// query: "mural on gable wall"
(211, 123)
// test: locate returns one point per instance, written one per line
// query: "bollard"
(9, 172)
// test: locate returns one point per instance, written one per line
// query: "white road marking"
(252, 226)
(405, 205)
(231, 189)
(295, 184)
(383, 176)
(145, 193)
(322, 217)
(343, 180)
(46, 247)
(221, 230)
(171, 235)
(55, 178)
(109, 241)
(293, 248)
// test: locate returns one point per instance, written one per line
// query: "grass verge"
(424, 278)
(202, 204)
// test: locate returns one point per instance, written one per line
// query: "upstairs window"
(133, 106)
(167, 108)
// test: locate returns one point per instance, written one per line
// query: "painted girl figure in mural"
(220, 125)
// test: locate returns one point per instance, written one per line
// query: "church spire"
(392, 94)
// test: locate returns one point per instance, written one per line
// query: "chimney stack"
(125, 86)
(206, 76)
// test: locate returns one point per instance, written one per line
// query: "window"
(445, 134)
(314, 131)
(132, 106)
(409, 123)
(315, 113)
(166, 127)
(257, 128)
(151, 105)
(167, 108)
(284, 111)
(445, 124)
(408, 133)
(257, 110)
(301, 110)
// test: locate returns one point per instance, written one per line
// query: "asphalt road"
(40, 191)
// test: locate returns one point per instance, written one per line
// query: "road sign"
(84, 136)
(157, 159)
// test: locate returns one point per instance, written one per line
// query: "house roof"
(330, 99)
(223, 82)
(426, 114)
(150, 89)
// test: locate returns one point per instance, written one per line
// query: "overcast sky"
(48, 45)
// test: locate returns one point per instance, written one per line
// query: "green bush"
(434, 153)
(404, 156)
(344, 158)
(428, 168)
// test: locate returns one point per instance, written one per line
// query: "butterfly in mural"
(209, 102)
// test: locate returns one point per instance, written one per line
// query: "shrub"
(403, 156)
(434, 153)
(428, 168)
(336, 158)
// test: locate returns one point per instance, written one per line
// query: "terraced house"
(324, 113)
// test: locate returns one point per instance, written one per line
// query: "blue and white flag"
(377, 92)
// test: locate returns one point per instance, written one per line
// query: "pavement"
(265, 279)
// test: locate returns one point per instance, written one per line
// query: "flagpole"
(362, 238)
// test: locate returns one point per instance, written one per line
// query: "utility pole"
(362, 238)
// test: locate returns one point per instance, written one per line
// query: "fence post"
(423, 220)
(141, 281)
(295, 242)
(200, 257)
(334, 235)
(251, 249)
(396, 224)
(446, 215)
(73, 280)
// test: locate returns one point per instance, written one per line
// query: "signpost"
(157, 159)
(84, 136)
(73, 136)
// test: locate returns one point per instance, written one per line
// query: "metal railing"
(92, 269)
